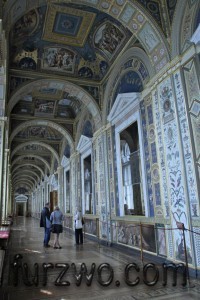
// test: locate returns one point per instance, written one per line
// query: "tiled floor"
(27, 239)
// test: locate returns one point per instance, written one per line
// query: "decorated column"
(60, 188)
(172, 154)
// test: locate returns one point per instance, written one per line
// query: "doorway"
(53, 200)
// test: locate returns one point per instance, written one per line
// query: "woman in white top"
(78, 227)
(56, 218)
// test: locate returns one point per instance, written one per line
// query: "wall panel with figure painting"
(133, 234)
(90, 226)
(161, 240)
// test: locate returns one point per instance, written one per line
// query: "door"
(53, 200)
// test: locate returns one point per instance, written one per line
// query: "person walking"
(46, 223)
(57, 228)
(78, 227)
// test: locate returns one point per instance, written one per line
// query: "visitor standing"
(78, 227)
(56, 218)
(46, 223)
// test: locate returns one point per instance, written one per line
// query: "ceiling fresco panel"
(108, 39)
(43, 107)
(15, 82)
(148, 37)
(127, 13)
(67, 25)
(40, 132)
(26, 25)
(59, 59)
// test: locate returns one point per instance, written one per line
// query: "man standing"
(46, 223)
(78, 226)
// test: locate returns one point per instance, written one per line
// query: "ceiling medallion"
(67, 25)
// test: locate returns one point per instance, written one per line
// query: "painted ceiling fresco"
(59, 42)
(62, 39)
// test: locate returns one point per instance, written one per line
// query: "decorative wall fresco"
(161, 239)
(176, 186)
(90, 226)
(130, 82)
(193, 98)
(111, 171)
(147, 158)
(196, 230)
(186, 141)
(160, 143)
(130, 234)
(68, 221)
(87, 129)
(131, 78)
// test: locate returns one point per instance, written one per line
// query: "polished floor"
(26, 241)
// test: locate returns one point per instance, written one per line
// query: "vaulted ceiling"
(60, 57)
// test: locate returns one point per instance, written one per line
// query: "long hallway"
(27, 240)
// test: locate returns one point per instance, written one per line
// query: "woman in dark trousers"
(78, 227)
(45, 222)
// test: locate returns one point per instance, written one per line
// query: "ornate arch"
(26, 185)
(54, 153)
(62, 86)
(84, 118)
(51, 124)
(183, 25)
(26, 172)
(36, 156)
(24, 182)
(25, 176)
(32, 165)
(117, 73)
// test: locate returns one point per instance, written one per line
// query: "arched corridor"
(100, 110)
